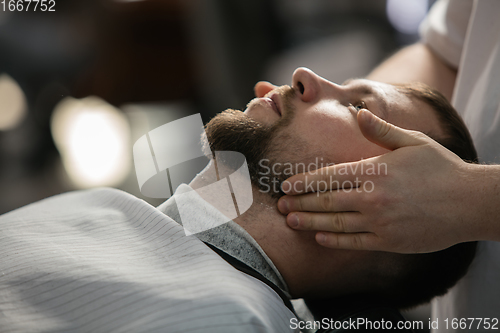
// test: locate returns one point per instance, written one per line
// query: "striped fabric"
(105, 261)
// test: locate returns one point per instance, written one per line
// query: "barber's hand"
(422, 203)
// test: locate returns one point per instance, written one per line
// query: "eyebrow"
(367, 90)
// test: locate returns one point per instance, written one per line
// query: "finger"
(330, 201)
(345, 222)
(387, 135)
(340, 176)
(356, 241)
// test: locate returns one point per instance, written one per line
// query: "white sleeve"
(445, 28)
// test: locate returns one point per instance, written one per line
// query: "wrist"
(483, 201)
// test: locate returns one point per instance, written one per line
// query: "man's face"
(313, 123)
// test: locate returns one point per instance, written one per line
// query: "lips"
(275, 99)
(270, 103)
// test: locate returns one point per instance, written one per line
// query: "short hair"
(457, 137)
(407, 280)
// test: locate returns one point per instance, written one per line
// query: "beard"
(261, 144)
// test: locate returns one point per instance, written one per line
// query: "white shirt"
(466, 34)
(105, 261)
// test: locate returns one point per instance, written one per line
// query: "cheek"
(330, 131)
(337, 139)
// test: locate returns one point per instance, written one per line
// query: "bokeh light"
(93, 139)
(13, 103)
(406, 15)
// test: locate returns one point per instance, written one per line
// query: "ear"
(261, 88)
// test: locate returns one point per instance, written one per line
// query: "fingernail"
(283, 206)
(286, 186)
(320, 237)
(293, 220)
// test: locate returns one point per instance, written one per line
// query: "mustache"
(287, 95)
(286, 92)
(233, 129)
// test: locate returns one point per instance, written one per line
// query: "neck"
(290, 251)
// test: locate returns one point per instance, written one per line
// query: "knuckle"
(385, 130)
(356, 242)
(326, 202)
(371, 199)
(419, 135)
(333, 241)
(297, 204)
(338, 223)
(307, 221)
(336, 242)
(322, 183)
(378, 199)
(396, 246)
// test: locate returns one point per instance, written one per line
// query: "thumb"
(387, 135)
(261, 88)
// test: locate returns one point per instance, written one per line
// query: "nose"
(307, 83)
(310, 86)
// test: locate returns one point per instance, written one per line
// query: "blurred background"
(80, 84)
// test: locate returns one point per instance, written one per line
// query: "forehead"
(397, 108)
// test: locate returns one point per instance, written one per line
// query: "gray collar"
(228, 237)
